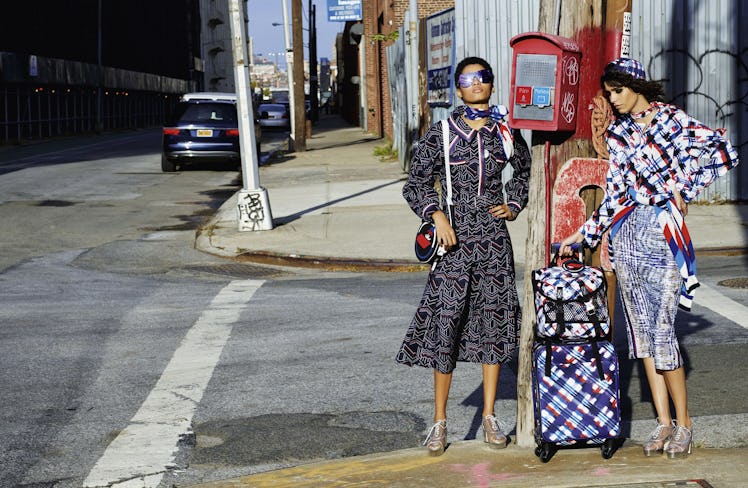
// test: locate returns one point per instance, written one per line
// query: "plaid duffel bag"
(570, 302)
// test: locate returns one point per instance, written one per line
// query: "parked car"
(326, 102)
(203, 127)
(275, 115)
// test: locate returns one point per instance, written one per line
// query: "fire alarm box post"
(544, 93)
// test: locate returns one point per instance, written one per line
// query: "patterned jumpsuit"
(469, 310)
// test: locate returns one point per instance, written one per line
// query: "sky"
(268, 38)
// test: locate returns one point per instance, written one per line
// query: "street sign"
(439, 61)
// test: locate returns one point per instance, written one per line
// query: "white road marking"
(141, 453)
(712, 299)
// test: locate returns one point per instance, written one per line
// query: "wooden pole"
(298, 105)
(582, 21)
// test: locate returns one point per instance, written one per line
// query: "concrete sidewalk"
(472, 464)
(337, 206)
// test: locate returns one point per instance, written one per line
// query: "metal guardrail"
(39, 112)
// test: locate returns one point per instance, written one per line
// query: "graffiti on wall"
(690, 91)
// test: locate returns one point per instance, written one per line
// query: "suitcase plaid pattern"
(570, 302)
(574, 404)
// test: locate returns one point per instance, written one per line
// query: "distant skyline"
(268, 39)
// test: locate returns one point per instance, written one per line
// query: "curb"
(722, 251)
(203, 243)
(330, 263)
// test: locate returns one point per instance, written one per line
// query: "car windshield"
(194, 113)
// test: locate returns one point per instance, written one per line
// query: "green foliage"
(385, 152)
(392, 36)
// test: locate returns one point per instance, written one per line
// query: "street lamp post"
(253, 205)
(276, 58)
(289, 76)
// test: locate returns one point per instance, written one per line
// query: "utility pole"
(411, 66)
(289, 77)
(313, 79)
(298, 78)
(253, 204)
(575, 22)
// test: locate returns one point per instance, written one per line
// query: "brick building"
(381, 18)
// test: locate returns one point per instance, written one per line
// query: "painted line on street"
(712, 299)
(141, 453)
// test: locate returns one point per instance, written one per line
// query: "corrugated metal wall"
(397, 81)
(484, 28)
(698, 48)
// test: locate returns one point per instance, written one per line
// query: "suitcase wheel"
(545, 451)
(608, 448)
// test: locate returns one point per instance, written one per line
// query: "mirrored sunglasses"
(466, 80)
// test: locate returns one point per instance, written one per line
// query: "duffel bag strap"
(560, 313)
(594, 318)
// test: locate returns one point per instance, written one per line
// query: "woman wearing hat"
(654, 172)
(470, 309)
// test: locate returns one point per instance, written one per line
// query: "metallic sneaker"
(680, 442)
(436, 439)
(492, 432)
(658, 439)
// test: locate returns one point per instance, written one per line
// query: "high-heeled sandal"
(436, 439)
(680, 442)
(492, 433)
(658, 439)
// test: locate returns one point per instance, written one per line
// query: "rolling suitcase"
(575, 367)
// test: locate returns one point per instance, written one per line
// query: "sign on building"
(440, 57)
(343, 10)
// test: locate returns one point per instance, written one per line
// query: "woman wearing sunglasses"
(469, 310)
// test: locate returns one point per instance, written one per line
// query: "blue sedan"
(203, 127)
(274, 115)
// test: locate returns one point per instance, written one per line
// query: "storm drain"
(734, 283)
(237, 270)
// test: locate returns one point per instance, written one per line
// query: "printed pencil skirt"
(649, 284)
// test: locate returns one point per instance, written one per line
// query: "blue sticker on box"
(541, 96)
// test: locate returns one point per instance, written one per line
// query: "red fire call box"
(545, 82)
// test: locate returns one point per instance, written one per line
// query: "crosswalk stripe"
(712, 299)
(142, 451)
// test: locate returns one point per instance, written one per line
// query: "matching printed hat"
(628, 65)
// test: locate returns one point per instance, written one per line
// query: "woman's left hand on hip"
(503, 212)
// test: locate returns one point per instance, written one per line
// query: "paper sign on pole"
(440, 56)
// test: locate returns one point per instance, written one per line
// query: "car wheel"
(167, 166)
